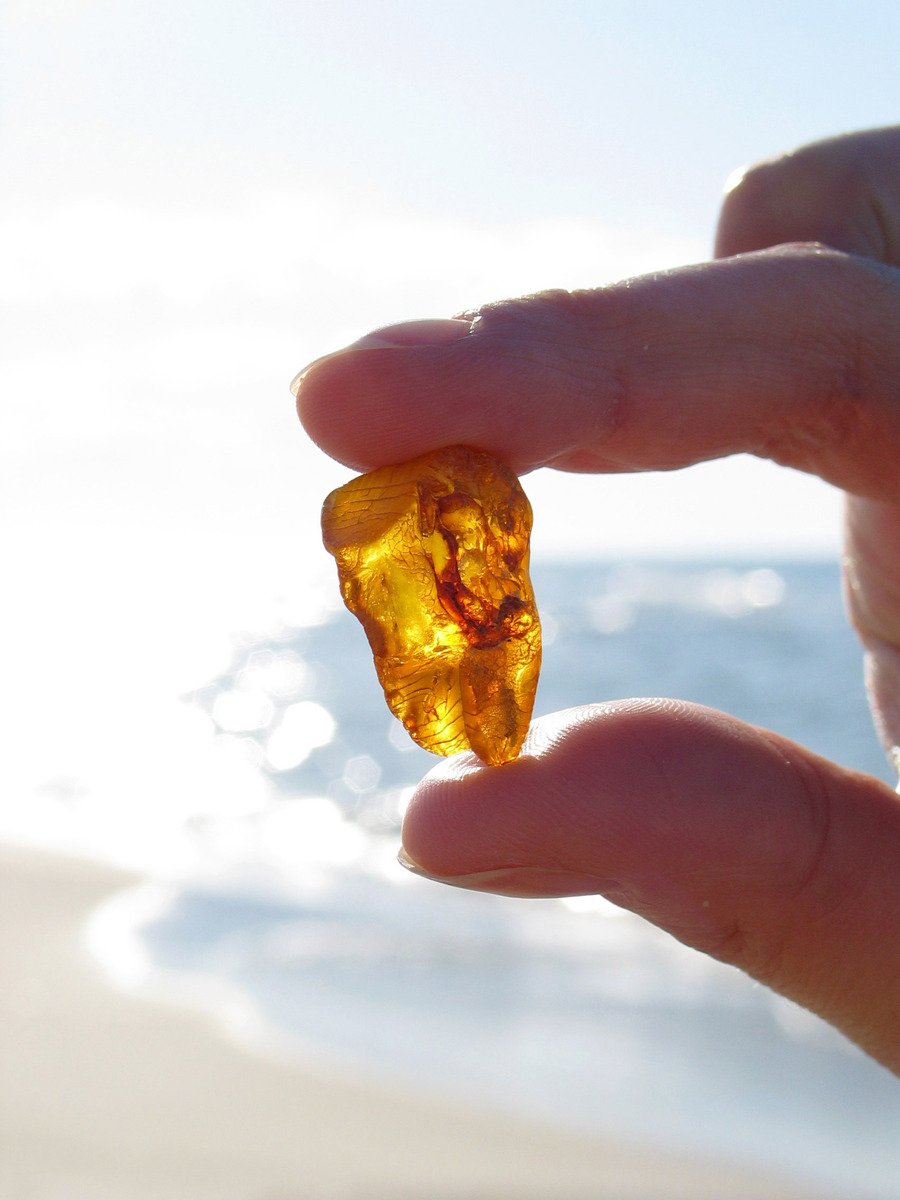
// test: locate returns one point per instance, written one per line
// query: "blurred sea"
(287, 912)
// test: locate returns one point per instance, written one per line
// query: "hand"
(735, 840)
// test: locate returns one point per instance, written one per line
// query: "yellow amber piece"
(432, 558)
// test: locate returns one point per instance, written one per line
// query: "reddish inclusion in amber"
(432, 558)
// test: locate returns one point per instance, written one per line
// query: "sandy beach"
(105, 1096)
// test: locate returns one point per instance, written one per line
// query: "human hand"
(735, 840)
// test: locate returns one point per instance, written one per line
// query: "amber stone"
(432, 558)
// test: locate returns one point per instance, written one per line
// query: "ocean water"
(283, 907)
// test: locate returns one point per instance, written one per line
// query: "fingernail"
(438, 332)
(515, 881)
(734, 178)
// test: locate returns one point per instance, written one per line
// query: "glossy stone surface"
(432, 558)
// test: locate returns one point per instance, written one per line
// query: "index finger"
(789, 354)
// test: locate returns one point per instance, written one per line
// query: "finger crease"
(819, 808)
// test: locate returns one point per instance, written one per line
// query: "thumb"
(736, 841)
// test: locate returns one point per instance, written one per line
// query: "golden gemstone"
(432, 558)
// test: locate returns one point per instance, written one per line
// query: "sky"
(200, 197)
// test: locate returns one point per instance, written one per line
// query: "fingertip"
(466, 817)
(746, 222)
(347, 401)
(734, 178)
(432, 808)
(339, 403)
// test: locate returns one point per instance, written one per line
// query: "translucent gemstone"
(432, 558)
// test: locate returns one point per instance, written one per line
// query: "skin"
(738, 842)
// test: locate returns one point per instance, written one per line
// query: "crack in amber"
(432, 558)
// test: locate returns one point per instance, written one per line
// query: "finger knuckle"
(844, 402)
(545, 345)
